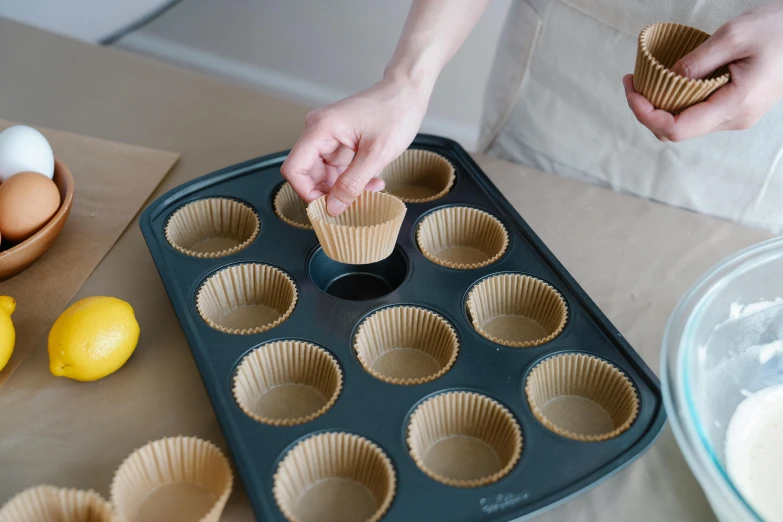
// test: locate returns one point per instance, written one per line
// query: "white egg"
(24, 149)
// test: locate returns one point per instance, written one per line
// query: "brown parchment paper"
(112, 180)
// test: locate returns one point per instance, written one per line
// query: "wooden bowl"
(19, 257)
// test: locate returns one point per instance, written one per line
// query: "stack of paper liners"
(335, 465)
(176, 478)
(660, 46)
(464, 439)
(418, 176)
(246, 299)
(581, 397)
(49, 503)
(365, 233)
(462, 238)
(406, 345)
(285, 383)
(210, 228)
(290, 208)
(517, 310)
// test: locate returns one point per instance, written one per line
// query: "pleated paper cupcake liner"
(582, 397)
(462, 237)
(464, 439)
(246, 299)
(285, 383)
(176, 478)
(52, 504)
(517, 310)
(290, 208)
(365, 233)
(660, 46)
(406, 345)
(210, 228)
(418, 176)
(335, 477)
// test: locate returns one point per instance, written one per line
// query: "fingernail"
(334, 206)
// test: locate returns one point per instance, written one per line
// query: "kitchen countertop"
(635, 258)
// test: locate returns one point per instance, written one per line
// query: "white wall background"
(316, 52)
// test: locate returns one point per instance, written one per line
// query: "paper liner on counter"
(335, 477)
(464, 439)
(517, 310)
(462, 238)
(214, 227)
(365, 233)
(171, 480)
(284, 383)
(660, 47)
(52, 504)
(290, 208)
(418, 176)
(581, 397)
(406, 345)
(246, 299)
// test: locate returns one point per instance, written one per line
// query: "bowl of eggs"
(36, 195)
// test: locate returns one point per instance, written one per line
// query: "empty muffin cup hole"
(464, 439)
(418, 176)
(214, 227)
(581, 397)
(290, 208)
(358, 282)
(246, 299)
(406, 345)
(334, 477)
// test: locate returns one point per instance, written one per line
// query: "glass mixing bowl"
(718, 348)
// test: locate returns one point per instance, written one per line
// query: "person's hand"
(346, 144)
(752, 46)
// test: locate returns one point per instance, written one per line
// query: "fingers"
(722, 48)
(304, 161)
(341, 157)
(375, 185)
(349, 186)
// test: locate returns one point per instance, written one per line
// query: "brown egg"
(28, 201)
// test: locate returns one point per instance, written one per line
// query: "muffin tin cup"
(335, 477)
(176, 478)
(246, 299)
(365, 233)
(517, 310)
(50, 503)
(406, 345)
(285, 383)
(462, 237)
(464, 439)
(418, 176)
(581, 397)
(290, 208)
(214, 227)
(660, 47)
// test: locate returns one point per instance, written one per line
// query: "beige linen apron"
(555, 101)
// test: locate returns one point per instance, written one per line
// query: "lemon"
(7, 332)
(92, 338)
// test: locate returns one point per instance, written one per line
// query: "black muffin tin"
(551, 469)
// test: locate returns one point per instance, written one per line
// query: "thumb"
(716, 51)
(353, 181)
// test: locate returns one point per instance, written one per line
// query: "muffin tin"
(447, 426)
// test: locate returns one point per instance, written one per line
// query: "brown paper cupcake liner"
(464, 439)
(48, 503)
(210, 228)
(246, 299)
(418, 176)
(173, 479)
(660, 46)
(462, 238)
(290, 208)
(335, 477)
(517, 310)
(365, 233)
(581, 397)
(406, 345)
(285, 383)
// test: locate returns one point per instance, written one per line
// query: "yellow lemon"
(7, 332)
(92, 338)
